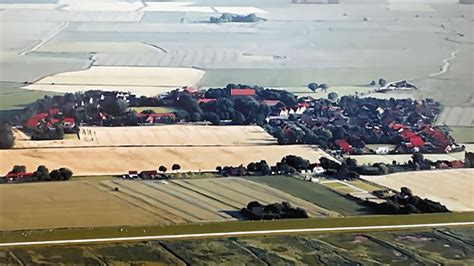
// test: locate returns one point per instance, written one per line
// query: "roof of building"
(53, 111)
(270, 102)
(344, 145)
(408, 134)
(242, 92)
(69, 120)
(206, 100)
(417, 141)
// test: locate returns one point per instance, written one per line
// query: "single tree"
(7, 140)
(333, 96)
(175, 167)
(313, 86)
(65, 173)
(382, 82)
(163, 169)
(42, 173)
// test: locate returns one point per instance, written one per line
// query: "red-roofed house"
(242, 92)
(53, 111)
(344, 145)
(33, 121)
(416, 142)
(408, 134)
(69, 122)
(397, 126)
(18, 176)
(206, 100)
(270, 102)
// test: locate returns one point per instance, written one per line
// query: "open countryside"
(236, 132)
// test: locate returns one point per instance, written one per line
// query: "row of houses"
(50, 119)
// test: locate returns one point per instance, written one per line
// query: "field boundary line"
(237, 233)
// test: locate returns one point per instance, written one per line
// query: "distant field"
(139, 80)
(315, 193)
(401, 158)
(452, 188)
(12, 96)
(156, 109)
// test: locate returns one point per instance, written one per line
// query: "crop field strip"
(231, 226)
(164, 201)
(315, 193)
(162, 215)
(194, 199)
(119, 160)
(65, 204)
(287, 197)
(239, 192)
(454, 188)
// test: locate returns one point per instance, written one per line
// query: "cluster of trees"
(226, 18)
(382, 82)
(7, 140)
(405, 202)
(288, 165)
(297, 133)
(45, 133)
(284, 210)
(240, 111)
(469, 160)
(349, 168)
(313, 86)
(43, 174)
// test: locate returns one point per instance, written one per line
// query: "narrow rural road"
(228, 234)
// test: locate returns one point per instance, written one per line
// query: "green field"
(446, 246)
(12, 96)
(156, 109)
(315, 193)
(229, 226)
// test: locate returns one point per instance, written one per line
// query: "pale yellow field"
(452, 188)
(138, 80)
(401, 158)
(65, 204)
(173, 135)
(192, 135)
(119, 160)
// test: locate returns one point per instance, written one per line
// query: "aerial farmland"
(232, 132)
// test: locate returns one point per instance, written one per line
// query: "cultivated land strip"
(237, 233)
(234, 228)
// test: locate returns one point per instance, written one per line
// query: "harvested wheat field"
(452, 188)
(186, 135)
(119, 160)
(172, 135)
(65, 204)
(402, 158)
